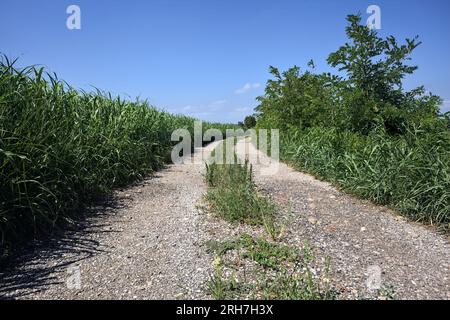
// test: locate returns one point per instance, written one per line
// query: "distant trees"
(295, 99)
(250, 122)
(370, 95)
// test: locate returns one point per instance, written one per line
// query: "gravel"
(365, 242)
(146, 243)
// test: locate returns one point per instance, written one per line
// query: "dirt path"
(361, 239)
(146, 244)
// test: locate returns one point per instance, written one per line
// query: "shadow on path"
(29, 271)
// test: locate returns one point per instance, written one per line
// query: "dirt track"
(147, 242)
(360, 238)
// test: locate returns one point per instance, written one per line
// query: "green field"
(61, 148)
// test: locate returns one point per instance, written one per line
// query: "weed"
(232, 195)
(281, 272)
(219, 287)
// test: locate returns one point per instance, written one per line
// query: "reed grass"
(61, 148)
(410, 172)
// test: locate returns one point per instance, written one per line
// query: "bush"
(250, 122)
(233, 197)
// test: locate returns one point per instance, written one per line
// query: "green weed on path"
(249, 267)
(254, 268)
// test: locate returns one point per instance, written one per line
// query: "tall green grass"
(61, 148)
(232, 194)
(410, 172)
(276, 271)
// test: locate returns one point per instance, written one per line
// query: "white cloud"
(244, 109)
(199, 111)
(445, 106)
(200, 114)
(247, 87)
(219, 102)
(216, 110)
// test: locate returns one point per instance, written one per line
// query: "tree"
(250, 122)
(374, 65)
(296, 100)
(375, 69)
(368, 96)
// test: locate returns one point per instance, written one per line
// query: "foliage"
(233, 197)
(361, 129)
(277, 271)
(410, 172)
(373, 92)
(370, 95)
(61, 148)
(250, 122)
(295, 100)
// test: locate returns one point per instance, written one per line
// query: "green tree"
(375, 69)
(297, 100)
(250, 122)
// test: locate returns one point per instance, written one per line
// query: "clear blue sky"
(196, 56)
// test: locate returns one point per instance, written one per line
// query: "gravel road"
(146, 242)
(366, 243)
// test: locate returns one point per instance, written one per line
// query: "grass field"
(410, 173)
(61, 148)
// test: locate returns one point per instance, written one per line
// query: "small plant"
(387, 292)
(232, 195)
(273, 228)
(219, 248)
(292, 286)
(281, 272)
(217, 286)
(268, 254)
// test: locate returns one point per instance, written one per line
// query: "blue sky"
(209, 58)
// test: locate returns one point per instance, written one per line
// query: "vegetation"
(410, 172)
(61, 148)
(277, 271)
(250, 122)
(273, 271)
(233, 197)
(363, 131)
